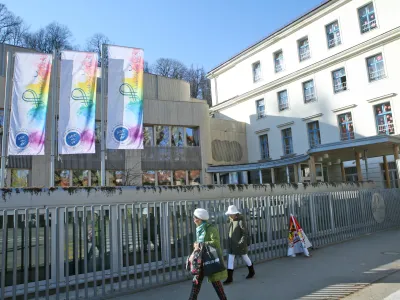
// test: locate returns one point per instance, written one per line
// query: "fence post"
(166, 242)
(114, 238)
(57, 245)
(331, 213)
(312, 217)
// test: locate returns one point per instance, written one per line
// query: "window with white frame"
(278, 61)
(339, 80)
(287, 141)
(264, 146)
(333, 34)
(309, 91)
(376, 67)
(351, 174)
(283, 101)
(346, 126)
(314, 137)
(257, 71)
(260, 108)
(367, 18)
(304, 49)
(384, 118)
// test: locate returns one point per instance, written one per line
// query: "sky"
(203, 33)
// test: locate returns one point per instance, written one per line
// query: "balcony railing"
(309, 96)
(305, 54)
(171, 158)
(283, 106)
(368, 26)
(386, 129)
(278, 67)
(336, 41)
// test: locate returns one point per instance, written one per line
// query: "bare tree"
(53, 36)
(95, 43)
(147, 67)
(8, 23)
(195, 76)
(205, 87)
(169, 68)
(17, 35)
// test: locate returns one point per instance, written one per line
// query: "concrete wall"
(228, 142)
(74, 196)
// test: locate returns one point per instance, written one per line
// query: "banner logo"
(79, 95)
(126, 89)
(22, 140)
(31, 96)
(120, 133)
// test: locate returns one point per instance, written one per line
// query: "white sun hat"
(232, 210)
(201, 214)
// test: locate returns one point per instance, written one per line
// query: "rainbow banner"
(77, 110)
(29, 104)
(125, 98)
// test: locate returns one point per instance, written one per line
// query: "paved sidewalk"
(331, 273)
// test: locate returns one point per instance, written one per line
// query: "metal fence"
(89, 251)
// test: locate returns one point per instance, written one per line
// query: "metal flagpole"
(5, 118)
(54, 91)
(102, 129)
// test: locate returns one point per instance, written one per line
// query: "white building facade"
(320, 97)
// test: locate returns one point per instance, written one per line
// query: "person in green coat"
(237, 243)
(207, 234)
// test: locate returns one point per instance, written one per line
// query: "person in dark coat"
(237, 243)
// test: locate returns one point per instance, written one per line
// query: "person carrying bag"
(213, 266)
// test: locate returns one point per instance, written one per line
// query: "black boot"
(229, 280)
(251, 272)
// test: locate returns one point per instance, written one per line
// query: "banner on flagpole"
(125, 98)
(77, 110)
(29, 103)
(297, 241)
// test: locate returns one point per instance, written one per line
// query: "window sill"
(288, 155)
(264, 160)
(340, 92)
(377, 80)
(310, 101)
(260, 118)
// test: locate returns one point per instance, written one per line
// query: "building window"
(264, 146)
(194, 177)
(162, 136)
(148, 136)
(376, 67)
(346, 127)
(384, 118)
(80, 178)
(287, 141)
(177, 136)
(367, 17)
(192, 137)
(304, 49)
(393, 175)
(309, 91)
(164, 177)
(314, 137)
(260, 108)
(278, 61)
(351, 174)
(62, 178)
(339, 80)
(149, 178)
(94, 178)
(179, 177)
(256, 71)
(283, 100)
(333, 34)
(19, 178)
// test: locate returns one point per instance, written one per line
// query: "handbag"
(194, 262)
(211, 261)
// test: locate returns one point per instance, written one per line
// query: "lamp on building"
(319, 159)
(326, 155)
(338, 161)
(329, 163)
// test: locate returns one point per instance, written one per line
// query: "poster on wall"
(125, 98)
(29, 103)
(77, 109)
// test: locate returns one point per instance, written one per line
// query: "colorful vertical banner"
(125, 98)
(297, 240)
(29, 104)
(77, 110)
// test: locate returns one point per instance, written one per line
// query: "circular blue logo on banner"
(121, 133)
(22, 140)
(72, 138)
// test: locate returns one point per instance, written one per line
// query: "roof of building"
(273, 33)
